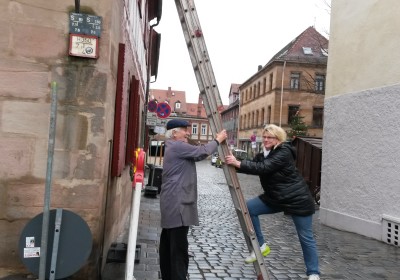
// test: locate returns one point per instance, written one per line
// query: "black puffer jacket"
(283, 185)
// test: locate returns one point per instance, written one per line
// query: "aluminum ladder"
(209, 93)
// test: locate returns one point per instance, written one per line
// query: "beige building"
(101, 93)
(360, 162)
(292, 82)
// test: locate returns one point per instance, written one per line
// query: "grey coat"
(178, 198)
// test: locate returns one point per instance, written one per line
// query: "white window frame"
(195, 128)
(203, 129)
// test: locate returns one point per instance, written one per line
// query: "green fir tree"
(297, 126)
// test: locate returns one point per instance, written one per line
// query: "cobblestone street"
(218, 247)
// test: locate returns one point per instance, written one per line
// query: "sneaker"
(265, 250)
(313, 277)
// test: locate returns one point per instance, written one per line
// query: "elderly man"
(178, 198)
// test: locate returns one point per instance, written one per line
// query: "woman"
(284, 191)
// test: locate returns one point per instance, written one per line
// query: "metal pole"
(47, 193)
(56, 240)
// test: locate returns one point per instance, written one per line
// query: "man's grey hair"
(169, 132)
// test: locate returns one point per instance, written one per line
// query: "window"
(257, 118)
(295, 80)
(177, 105)
(292, 113)
(264, 85)
(318, 117)
(271, 78)
(319, 83)
(263, 116)
(307, 50)
(194, 128)
(269, 115)
(203, 129)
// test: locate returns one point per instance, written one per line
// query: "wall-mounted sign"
(83, 45)
(85, 24)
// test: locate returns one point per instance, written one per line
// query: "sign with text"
(85, 24)
(83, 45)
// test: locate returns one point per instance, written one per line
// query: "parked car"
(214, 158)
(239, 154)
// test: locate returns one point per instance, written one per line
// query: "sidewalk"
(218, 247)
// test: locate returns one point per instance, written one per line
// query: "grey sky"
(240, 35)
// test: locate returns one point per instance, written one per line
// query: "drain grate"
(390, 231)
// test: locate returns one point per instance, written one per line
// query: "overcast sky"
(240, 35)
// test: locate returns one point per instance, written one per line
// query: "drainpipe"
(283, 76)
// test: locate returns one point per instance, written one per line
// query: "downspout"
(283, 76)
(146, 101)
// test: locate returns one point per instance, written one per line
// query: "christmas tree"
(297, 126)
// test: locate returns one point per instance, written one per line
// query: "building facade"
(292, 82)
(194, 113)
(99, 116)
(360, 155)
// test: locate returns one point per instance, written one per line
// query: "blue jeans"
(303, 227)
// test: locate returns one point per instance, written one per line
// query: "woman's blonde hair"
(277, 131)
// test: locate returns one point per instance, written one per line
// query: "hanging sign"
(163, 110)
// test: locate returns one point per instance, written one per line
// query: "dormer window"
(307, 50)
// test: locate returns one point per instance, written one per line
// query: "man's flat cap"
(177, 123)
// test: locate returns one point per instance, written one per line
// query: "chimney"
(259, 67)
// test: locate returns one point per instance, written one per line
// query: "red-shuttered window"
(118, 156)
(133, 121)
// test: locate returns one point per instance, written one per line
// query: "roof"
(294, 52)
(171, 97)
(234, 89)
(309, 38)
(192, 110)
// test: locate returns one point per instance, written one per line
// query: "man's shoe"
(313, 277)
(265, 250)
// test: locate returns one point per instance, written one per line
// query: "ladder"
(213, 105)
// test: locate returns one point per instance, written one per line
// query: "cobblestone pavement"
(218, 247)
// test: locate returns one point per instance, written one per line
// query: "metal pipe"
(47, 193)
(77, 6)
(283, 76)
